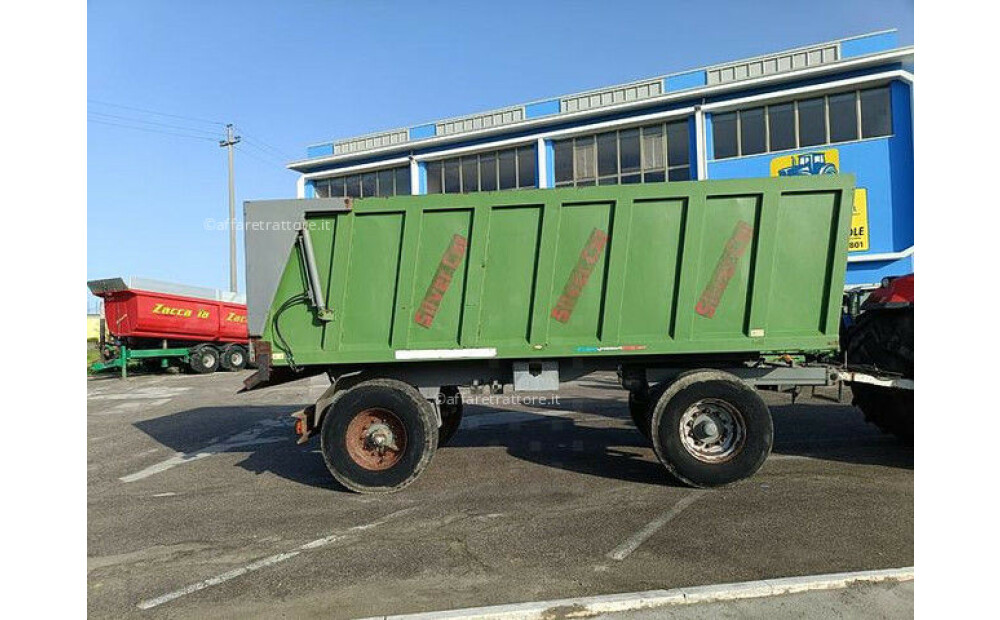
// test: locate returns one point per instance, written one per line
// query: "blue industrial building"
(840, 106)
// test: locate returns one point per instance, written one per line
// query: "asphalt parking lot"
(201, 503)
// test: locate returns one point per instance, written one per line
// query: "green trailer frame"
(126, 354)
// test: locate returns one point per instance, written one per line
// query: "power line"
(275, 150)
(150, 129)
(148, 111)
(266, 154)
(251, 154)
(145, 122)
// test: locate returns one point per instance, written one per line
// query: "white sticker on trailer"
(445, 354)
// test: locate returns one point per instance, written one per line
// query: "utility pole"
(231, 140)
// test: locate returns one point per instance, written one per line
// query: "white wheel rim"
(712, 430)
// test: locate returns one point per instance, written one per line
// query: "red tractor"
(880, 342)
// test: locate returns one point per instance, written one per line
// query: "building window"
(648, 154)
(487, 172)
(386, 182)
(841, 117)
(434, 185)
(876, 115)
(781, 126)
(753, 132)
(484, 172)
(812, 122)
(724, 136)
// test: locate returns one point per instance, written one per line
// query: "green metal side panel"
(697, 267)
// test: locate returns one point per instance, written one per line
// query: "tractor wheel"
(882, 339)
(640, 410)
(234, 358)
(711, 429)
(450, 406)
(379, 436)
(204, 359)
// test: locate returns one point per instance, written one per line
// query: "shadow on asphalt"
(831, 432)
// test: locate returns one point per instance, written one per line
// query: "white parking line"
(136, 405)
(249, 437)
(623, 550)
(144, 393)
(265, 562)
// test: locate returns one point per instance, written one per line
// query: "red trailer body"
(136, 313)
(147, 314)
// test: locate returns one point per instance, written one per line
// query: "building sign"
(859, 222)
(828, 162)
(803, 164)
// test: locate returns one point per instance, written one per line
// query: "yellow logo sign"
(859, 222)
(232, 317)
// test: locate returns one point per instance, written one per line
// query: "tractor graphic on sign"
(808, 163)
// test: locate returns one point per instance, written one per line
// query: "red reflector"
(298, 427)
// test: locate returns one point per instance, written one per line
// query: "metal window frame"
(795, 128)
(888, 92)
(739, 133)
(828, 139)
(857, 121)
(517, 164)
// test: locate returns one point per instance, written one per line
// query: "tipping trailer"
(695, 292)
(160, 323)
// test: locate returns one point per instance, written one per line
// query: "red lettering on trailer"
(441, 281)
(724, 270)
(580, 275)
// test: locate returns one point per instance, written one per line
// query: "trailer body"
(160, 310)
(655, 269)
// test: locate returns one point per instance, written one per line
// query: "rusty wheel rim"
(376, 439)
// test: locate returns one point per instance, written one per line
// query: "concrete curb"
(594, 605)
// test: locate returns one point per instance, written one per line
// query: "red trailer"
(161, 323)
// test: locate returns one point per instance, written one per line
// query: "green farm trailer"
(695, 292)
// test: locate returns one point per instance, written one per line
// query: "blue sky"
(293, 73)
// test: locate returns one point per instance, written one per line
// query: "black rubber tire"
(890, 410)
(204, 359)
(414, 412)
(450, 406)
(882, 339)
(234, 358)
(689, 389)
(641, 412)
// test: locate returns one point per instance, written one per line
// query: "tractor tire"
(378, 436)
(711, 429)
(234, 358)
(882, 339)
(450, 407)
(640, 411)
(204, 359)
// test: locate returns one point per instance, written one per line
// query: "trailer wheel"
(234, 358)
(204, 359)
(711, 429)
(379, 436)
(641, 412)
(450, 407)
